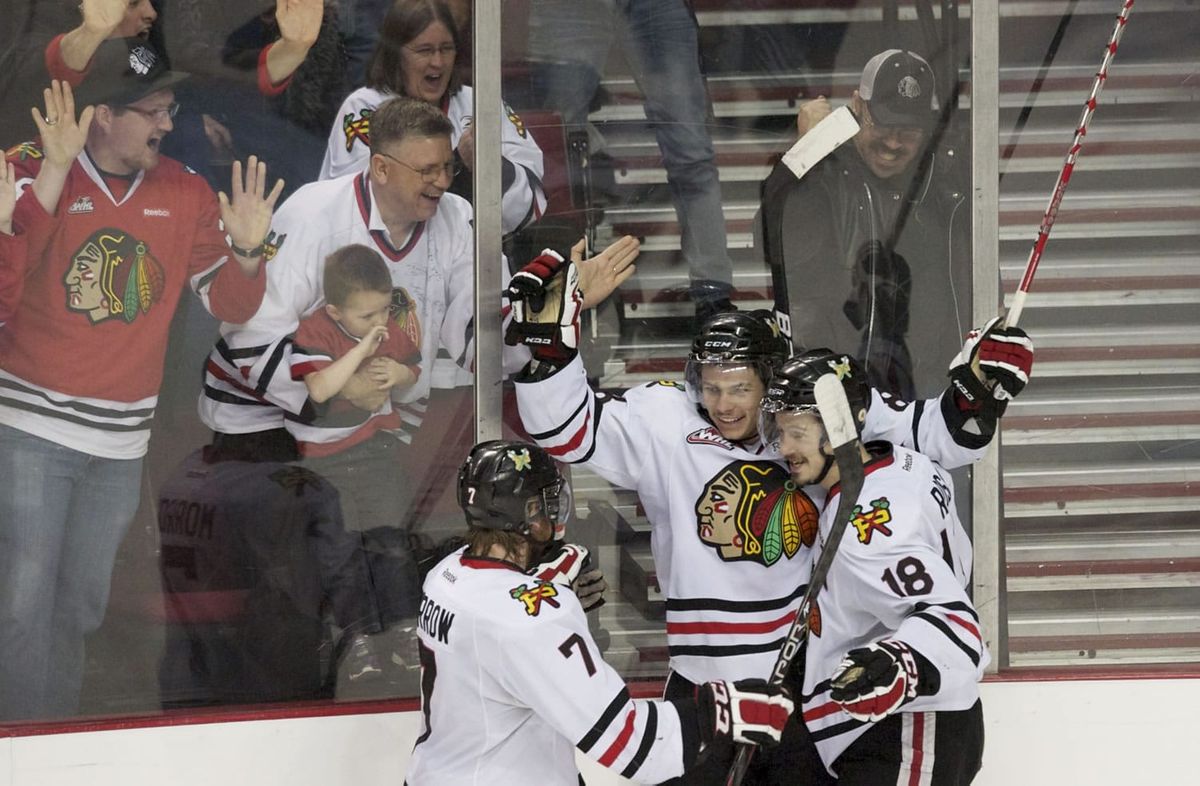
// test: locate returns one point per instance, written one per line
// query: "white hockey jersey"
(512, 683)
(247, 383)
(523, 200)
(730, 531)
(900, 573)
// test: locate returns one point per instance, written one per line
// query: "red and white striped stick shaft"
(1064, 177)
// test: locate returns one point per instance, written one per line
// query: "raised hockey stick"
(822, 139)
(1064, 176)
(847, 452)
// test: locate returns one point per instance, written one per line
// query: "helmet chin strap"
(829, 461)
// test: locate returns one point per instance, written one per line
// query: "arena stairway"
(1101, 455)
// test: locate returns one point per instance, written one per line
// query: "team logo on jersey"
(874, 520)
(753, 511)
(709, 436)
(82, 204)
(357, 128)
(296, 479)
(113, 275)
(814, 617)
(666, 383)
(516, 120)
(532, 597)
(25, 151)
(271, 245)
(404, 314)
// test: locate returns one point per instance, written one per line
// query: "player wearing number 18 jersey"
(894, 653)
(512, 681)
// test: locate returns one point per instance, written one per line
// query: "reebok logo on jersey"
(532, 598)
(156, 212)
(81, 204)
(876, 519)
(435, 620)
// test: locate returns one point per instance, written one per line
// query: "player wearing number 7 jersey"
(895, 653)
(511, 680)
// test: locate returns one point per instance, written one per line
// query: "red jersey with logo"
(81, 358)
(319, 341)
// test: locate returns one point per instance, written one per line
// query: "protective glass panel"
(667, 121)
(262, 548)
(1100, 452)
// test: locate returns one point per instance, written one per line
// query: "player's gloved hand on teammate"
(546, 303)
(873, 682)
(1004, 356)
(571, 564)
(749, 711)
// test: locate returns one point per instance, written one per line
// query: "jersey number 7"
(575, 640)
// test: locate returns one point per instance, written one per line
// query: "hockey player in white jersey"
(512, 682)
(894, 653)
(730, 529)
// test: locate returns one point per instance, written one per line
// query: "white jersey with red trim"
(900, 573)
(523, 200)
(512, 683)
(729, 530)
(247, 384)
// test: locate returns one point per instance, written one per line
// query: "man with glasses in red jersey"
(870, 248)
(114, 233)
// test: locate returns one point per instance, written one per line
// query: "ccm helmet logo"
(718, 343)
(538, 340)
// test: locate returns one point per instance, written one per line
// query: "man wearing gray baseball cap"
(869, 247)
(114, 233)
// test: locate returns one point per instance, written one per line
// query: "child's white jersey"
(730, 531)
(523, 200)
(512, 683)
(900, 573)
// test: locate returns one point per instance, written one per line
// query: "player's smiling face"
(411, 177)
(428, 63)
(731, 395)
(801, 438)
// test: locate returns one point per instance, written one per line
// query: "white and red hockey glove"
(749, 711)
(571, 564)
(546, 304)
(1005, 359)
(873, 682)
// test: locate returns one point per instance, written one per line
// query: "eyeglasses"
(428, 51)
(431, 173)
(906, 134)
(170, 110)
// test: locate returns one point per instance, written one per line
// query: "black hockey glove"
(571, 564)
(1005, 358)
(873, 682)
(750, 711)
(546, 303)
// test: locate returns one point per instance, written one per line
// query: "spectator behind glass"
(253, 548)
(415, 56)
(856, 276)
(302, 88)
(115, 232)
(363, 325)
(569, 42)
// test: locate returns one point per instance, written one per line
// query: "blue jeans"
(665, 58)
(62, 516)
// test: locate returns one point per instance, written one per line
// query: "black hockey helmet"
(793, 387)
(506, 485)
(750, 338)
